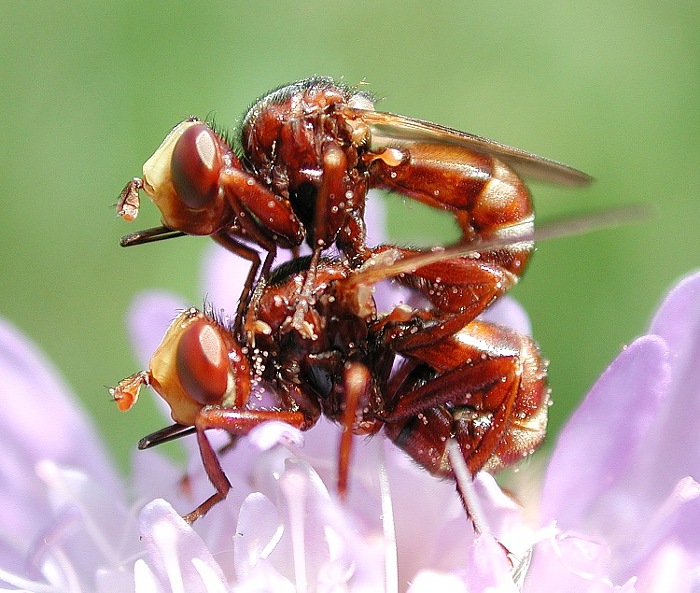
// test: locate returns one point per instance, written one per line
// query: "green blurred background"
(90, 89)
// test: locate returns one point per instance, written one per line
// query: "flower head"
(280, 529)
(72, 528)
(619, 504)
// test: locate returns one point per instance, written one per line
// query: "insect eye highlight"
(195, 166)
(202, 362)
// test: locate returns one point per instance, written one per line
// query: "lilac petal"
(154, 475)
(503, 515)
(505, 530)
(85, 535)
(375, 218)
(683, 518)
(606, 433)
(307, 548)
(145, 580)
(678, 317)
(286, 537)
(673, 524)
(670, 569)
(269, 434)
(148, 318)
(223, 277)
(259, 531)
(675, 441)
(307, 539)
(567, 562)
(173, 548)
(644, 500)
(86, 525)
(319, 447)
(115, 581)
(40, 416)
(211, 576)
(488, 567)
(263, 578)
(338, 549)
(432, 530)
(40, 421)
(510, 313)
(428, 581)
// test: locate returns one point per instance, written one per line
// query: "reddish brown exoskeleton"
(481, 384)
(308, 154)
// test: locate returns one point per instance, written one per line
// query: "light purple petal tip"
(671, 568)
(674, 521)
(428, 581)
(678, 318)
(269, 434)
(375, 216)
(568, 562)
(675, 440)
(604, 435)
(173, 548)
(260, 529)
(510, 313)
(41, 419)
(224, 276)
(488, 567)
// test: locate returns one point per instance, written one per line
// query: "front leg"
(261, 214)
(238, 422)
(359, 416)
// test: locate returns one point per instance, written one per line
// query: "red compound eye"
(202, 363)
(196, 165)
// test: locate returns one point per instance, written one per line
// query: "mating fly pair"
(309, 331)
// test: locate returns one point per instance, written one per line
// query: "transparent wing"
(391, 263)
(389, 129)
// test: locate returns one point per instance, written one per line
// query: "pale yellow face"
(165, 378)
(182, 178)
(157, 176)
(199, 364)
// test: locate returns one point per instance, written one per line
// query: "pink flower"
(619, 504)
(67, 527)
(64, 521)
(425, 545)
(67, 524)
